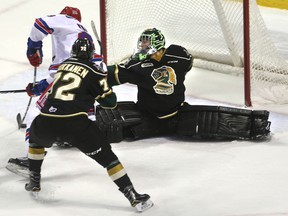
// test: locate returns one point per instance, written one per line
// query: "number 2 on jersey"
(62, 92)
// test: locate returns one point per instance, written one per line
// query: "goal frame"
(246, 46)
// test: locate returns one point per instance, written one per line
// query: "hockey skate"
(61, 144)
(34, 183)
(19, 166)
(141, 202)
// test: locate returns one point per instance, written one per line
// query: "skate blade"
(18, 170)
(35, 195)
(144, 206)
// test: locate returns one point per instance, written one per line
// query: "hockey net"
(212, 30)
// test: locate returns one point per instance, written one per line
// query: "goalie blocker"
(199, 121)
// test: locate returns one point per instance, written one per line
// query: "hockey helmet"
(83, 48)
(73, 12)
(150, 41)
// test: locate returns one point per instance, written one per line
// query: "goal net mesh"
(212, 31)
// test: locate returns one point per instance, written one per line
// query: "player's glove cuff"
(37, 89)
(34, 52)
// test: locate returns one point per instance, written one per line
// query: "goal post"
(218, 33)
(246, 54)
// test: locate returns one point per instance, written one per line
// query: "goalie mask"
(149, 42)
(83, 48)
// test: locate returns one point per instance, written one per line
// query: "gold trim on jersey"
(171, 114)
(104, 94)
(168, 116)
(116, 74)
(105, 107)
(64, 116)
(158, 55)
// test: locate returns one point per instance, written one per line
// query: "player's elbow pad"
(112, 78)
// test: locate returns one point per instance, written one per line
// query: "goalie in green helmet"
(161, 109)
(149, 42)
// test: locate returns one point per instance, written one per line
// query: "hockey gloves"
(34, 52)
(37, 89)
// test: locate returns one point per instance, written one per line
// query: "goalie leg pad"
(114, 121)
(127, 122)
(222, 122)
(153, 127)
(197, 120)
(260, 124)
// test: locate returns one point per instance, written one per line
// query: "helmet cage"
(149, 42)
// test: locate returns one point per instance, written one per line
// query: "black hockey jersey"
(160, 83)
(76, 85)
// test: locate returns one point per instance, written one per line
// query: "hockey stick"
(18, 117)
(97, 36)
(99, 41)
(13, 91)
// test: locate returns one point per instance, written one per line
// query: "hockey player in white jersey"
(64, 29)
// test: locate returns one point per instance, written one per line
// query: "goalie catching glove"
(34, 52)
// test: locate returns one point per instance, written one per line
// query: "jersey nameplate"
(79, 70)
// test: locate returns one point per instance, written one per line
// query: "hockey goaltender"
(161, 110)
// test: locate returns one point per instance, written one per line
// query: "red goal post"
(227, 36)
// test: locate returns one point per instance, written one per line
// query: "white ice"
(183, 177)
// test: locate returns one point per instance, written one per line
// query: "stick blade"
(19, 121)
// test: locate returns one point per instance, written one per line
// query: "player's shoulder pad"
(98, 69)
(91, 66)
(51, 17)
(101, 69)
(176, 50)
(131, 62)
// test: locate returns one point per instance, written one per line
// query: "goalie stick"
(18, 117)
(100, 43)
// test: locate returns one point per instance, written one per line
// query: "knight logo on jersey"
(165, 78)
